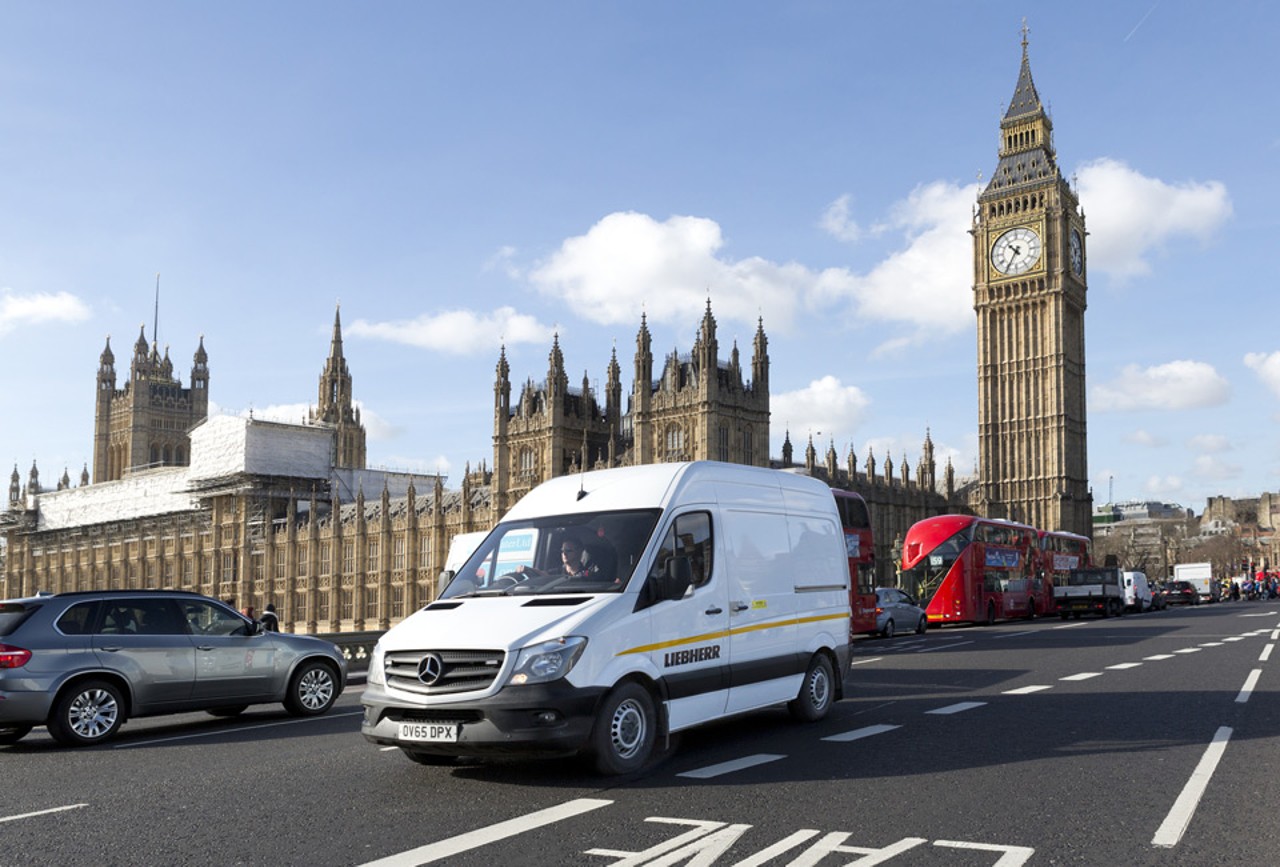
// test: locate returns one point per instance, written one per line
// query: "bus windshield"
(594, 552)
(923, 579)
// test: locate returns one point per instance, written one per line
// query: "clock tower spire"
(1029, 296)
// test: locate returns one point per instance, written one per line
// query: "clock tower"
(1029, 295)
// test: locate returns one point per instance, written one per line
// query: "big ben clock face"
(1077, 253)
(1016, 251)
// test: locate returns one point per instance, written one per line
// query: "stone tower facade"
(698, 408)
(336, 408)
(145, 423)
(1029, 295)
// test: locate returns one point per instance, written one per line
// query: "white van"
(1137, 592)
(657, 598)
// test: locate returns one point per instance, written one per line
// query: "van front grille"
(440, 672)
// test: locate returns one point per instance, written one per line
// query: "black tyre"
(428, 758)
(889, 629)
(313, 689)
(87, 714)
(817, 691)
(234, 710)
(1063, 615)
(12, 734)
(922, 625)
(625, 730)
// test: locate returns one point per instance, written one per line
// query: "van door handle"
(715, 611)
(111, 648)
(740, 606)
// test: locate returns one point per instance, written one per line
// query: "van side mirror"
(677, 579)
(442, 581)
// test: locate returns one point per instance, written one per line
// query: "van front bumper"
(545, 718)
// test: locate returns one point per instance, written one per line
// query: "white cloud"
(837, 223)
(826, 408)
(1163, 486)
(927, 283)
(1267, 366)
(1211, 468)
(39, 307)
(376, 427)
(629, 262)
(458, 332)
(1132, 216)
(1209, 443)
(1145, 438)
(1176, 385)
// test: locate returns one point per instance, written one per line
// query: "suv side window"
(78, 619)
(205, 618)
(141, 617)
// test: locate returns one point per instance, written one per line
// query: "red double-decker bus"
(860, 544)
(1060, 552)
(975, 570)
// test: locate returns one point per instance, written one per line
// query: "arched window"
(674, 443)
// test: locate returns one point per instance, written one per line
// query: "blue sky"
(463, 175)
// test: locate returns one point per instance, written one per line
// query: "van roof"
(655, 485)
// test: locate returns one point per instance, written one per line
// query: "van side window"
(689, 536)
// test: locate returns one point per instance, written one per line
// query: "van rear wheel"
(817, 691)
(625, 730)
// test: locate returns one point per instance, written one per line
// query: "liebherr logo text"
(687, 657)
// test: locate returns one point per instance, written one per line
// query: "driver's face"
(570, 553)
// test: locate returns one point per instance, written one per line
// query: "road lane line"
(1025, 690)
(225, 731)
(484, 836)
(42, 812)
(865, 732)
(1212, 644)
(1121, 666)
(1157, 657)
(1084, 675)
(1266, 653)
(1188, 650)
(1013, 856)
(1012, 634)
(956, 708)
(944, 647)
(1249, 683)
(865, 661)
(1236, 638)
(1071, 625)
(1175, 824)
(730, 767)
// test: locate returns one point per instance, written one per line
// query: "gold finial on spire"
(1025, 31)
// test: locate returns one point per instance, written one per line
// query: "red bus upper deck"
(966, 569)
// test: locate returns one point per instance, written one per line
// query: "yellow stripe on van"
(740, 630)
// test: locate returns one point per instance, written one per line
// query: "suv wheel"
(313, 689)
(87, 714)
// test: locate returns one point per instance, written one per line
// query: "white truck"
(1201, 577)
(612, 608)
(1098, 590)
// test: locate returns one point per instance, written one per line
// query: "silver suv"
(83, 663)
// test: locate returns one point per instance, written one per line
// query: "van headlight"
(548, 661)
(376, 663)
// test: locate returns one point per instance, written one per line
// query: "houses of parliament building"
(261, 511)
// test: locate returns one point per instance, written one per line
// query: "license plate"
(430, 732)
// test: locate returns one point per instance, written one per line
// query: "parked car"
(896, 610)
(1181, 593)
(83, 663)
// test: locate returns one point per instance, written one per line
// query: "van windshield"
(592, 552)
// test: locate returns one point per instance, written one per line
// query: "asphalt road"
(1151, 739)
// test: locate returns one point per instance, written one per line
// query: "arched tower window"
(674, 450)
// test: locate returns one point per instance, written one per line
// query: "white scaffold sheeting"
(226, 445)
(153, 492)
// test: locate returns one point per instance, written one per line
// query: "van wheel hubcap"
(627, 728)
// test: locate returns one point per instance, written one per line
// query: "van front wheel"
(816, 691)
(625, 730)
